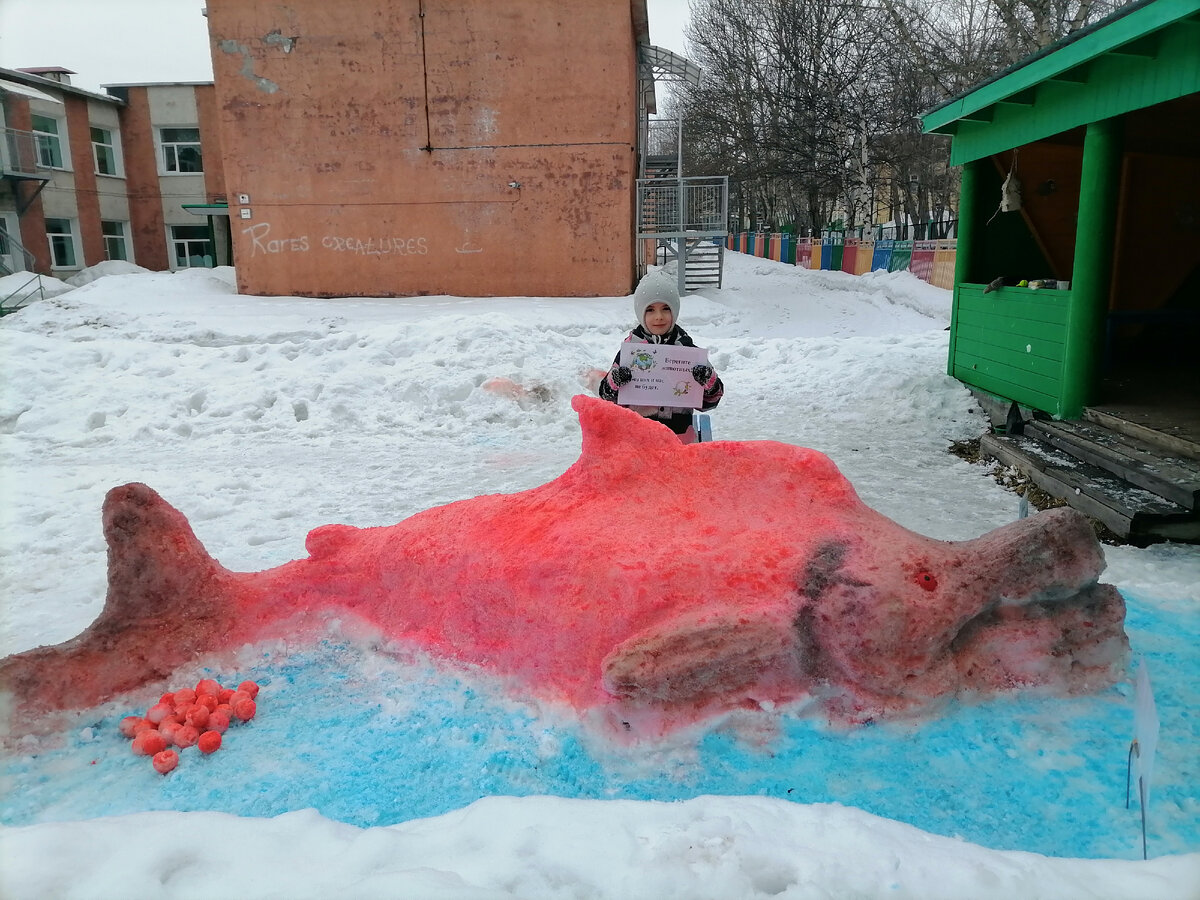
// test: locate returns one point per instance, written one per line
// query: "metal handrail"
(683, 207)
(29, 260)
(18, 152)
(23, 299)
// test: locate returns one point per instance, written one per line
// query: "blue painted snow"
(372, 740)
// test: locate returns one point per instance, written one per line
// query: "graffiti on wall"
(415, 246)
(261, 242)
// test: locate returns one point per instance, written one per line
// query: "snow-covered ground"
(261, 418)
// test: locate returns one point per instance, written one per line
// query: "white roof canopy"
(15, 87)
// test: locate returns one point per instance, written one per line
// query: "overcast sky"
(116, 41)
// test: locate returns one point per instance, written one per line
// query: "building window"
(62, 243)
(192, 245)
(49, 146)
(104, 151)
(115, 246)
(181, 150)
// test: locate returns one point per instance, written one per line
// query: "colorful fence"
(804, 253)
(901, 256)
(931, 261)
(777, 247)
(922, 259)
(943, 264)
(849, 255)
(882, 256)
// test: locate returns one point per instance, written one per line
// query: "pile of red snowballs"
(189, 717)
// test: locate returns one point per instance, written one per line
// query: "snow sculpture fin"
(698, 656)
(617, 441)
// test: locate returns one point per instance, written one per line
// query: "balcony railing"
(683, 207)
(18, 153)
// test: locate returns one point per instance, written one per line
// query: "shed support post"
(968, 226)
(1100, 186)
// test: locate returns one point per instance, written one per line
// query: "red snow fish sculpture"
(651, 582)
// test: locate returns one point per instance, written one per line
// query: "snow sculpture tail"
(167, 601)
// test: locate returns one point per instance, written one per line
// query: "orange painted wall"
(377, 141)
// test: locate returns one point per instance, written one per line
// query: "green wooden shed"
(1098, 140)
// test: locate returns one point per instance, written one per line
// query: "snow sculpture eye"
(926, 581)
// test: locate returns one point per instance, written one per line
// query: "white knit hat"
(656, 287)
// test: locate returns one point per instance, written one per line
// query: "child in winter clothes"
(656, 305)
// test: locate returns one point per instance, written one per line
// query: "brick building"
(86, 177)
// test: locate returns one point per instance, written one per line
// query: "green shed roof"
(1141, 55)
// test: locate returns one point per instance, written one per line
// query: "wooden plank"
(1145, 430)
(1017, 303)
(1176, 479)
(1054, 331)
(995, 447)
(997, 384)
(1128, 510)
(975, 354)
(1034, 345)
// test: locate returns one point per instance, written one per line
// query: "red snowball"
(165, 761)
(245, 709)
(158, 712)
(224, 695)
(186, 736)
(128, 725)
(219, 721)
(148, 742)
(185, 697)
(207, 686)
(208, 701)
(198, 716)
(209, 742)
(250, 687)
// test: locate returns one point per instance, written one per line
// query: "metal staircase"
(679, 219)
(687, 218)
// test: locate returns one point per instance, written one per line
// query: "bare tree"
(814, 105)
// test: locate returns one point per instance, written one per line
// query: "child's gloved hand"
(621, 375)
(702, 374)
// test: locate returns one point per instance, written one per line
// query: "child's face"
(658, 318)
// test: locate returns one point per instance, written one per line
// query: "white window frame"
(184, 260)
(50, 142)
(73, 243)
(113, 148)
(168, 157)
(122, 236)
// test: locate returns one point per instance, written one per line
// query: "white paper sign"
(662, 375)
(1145, 731)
